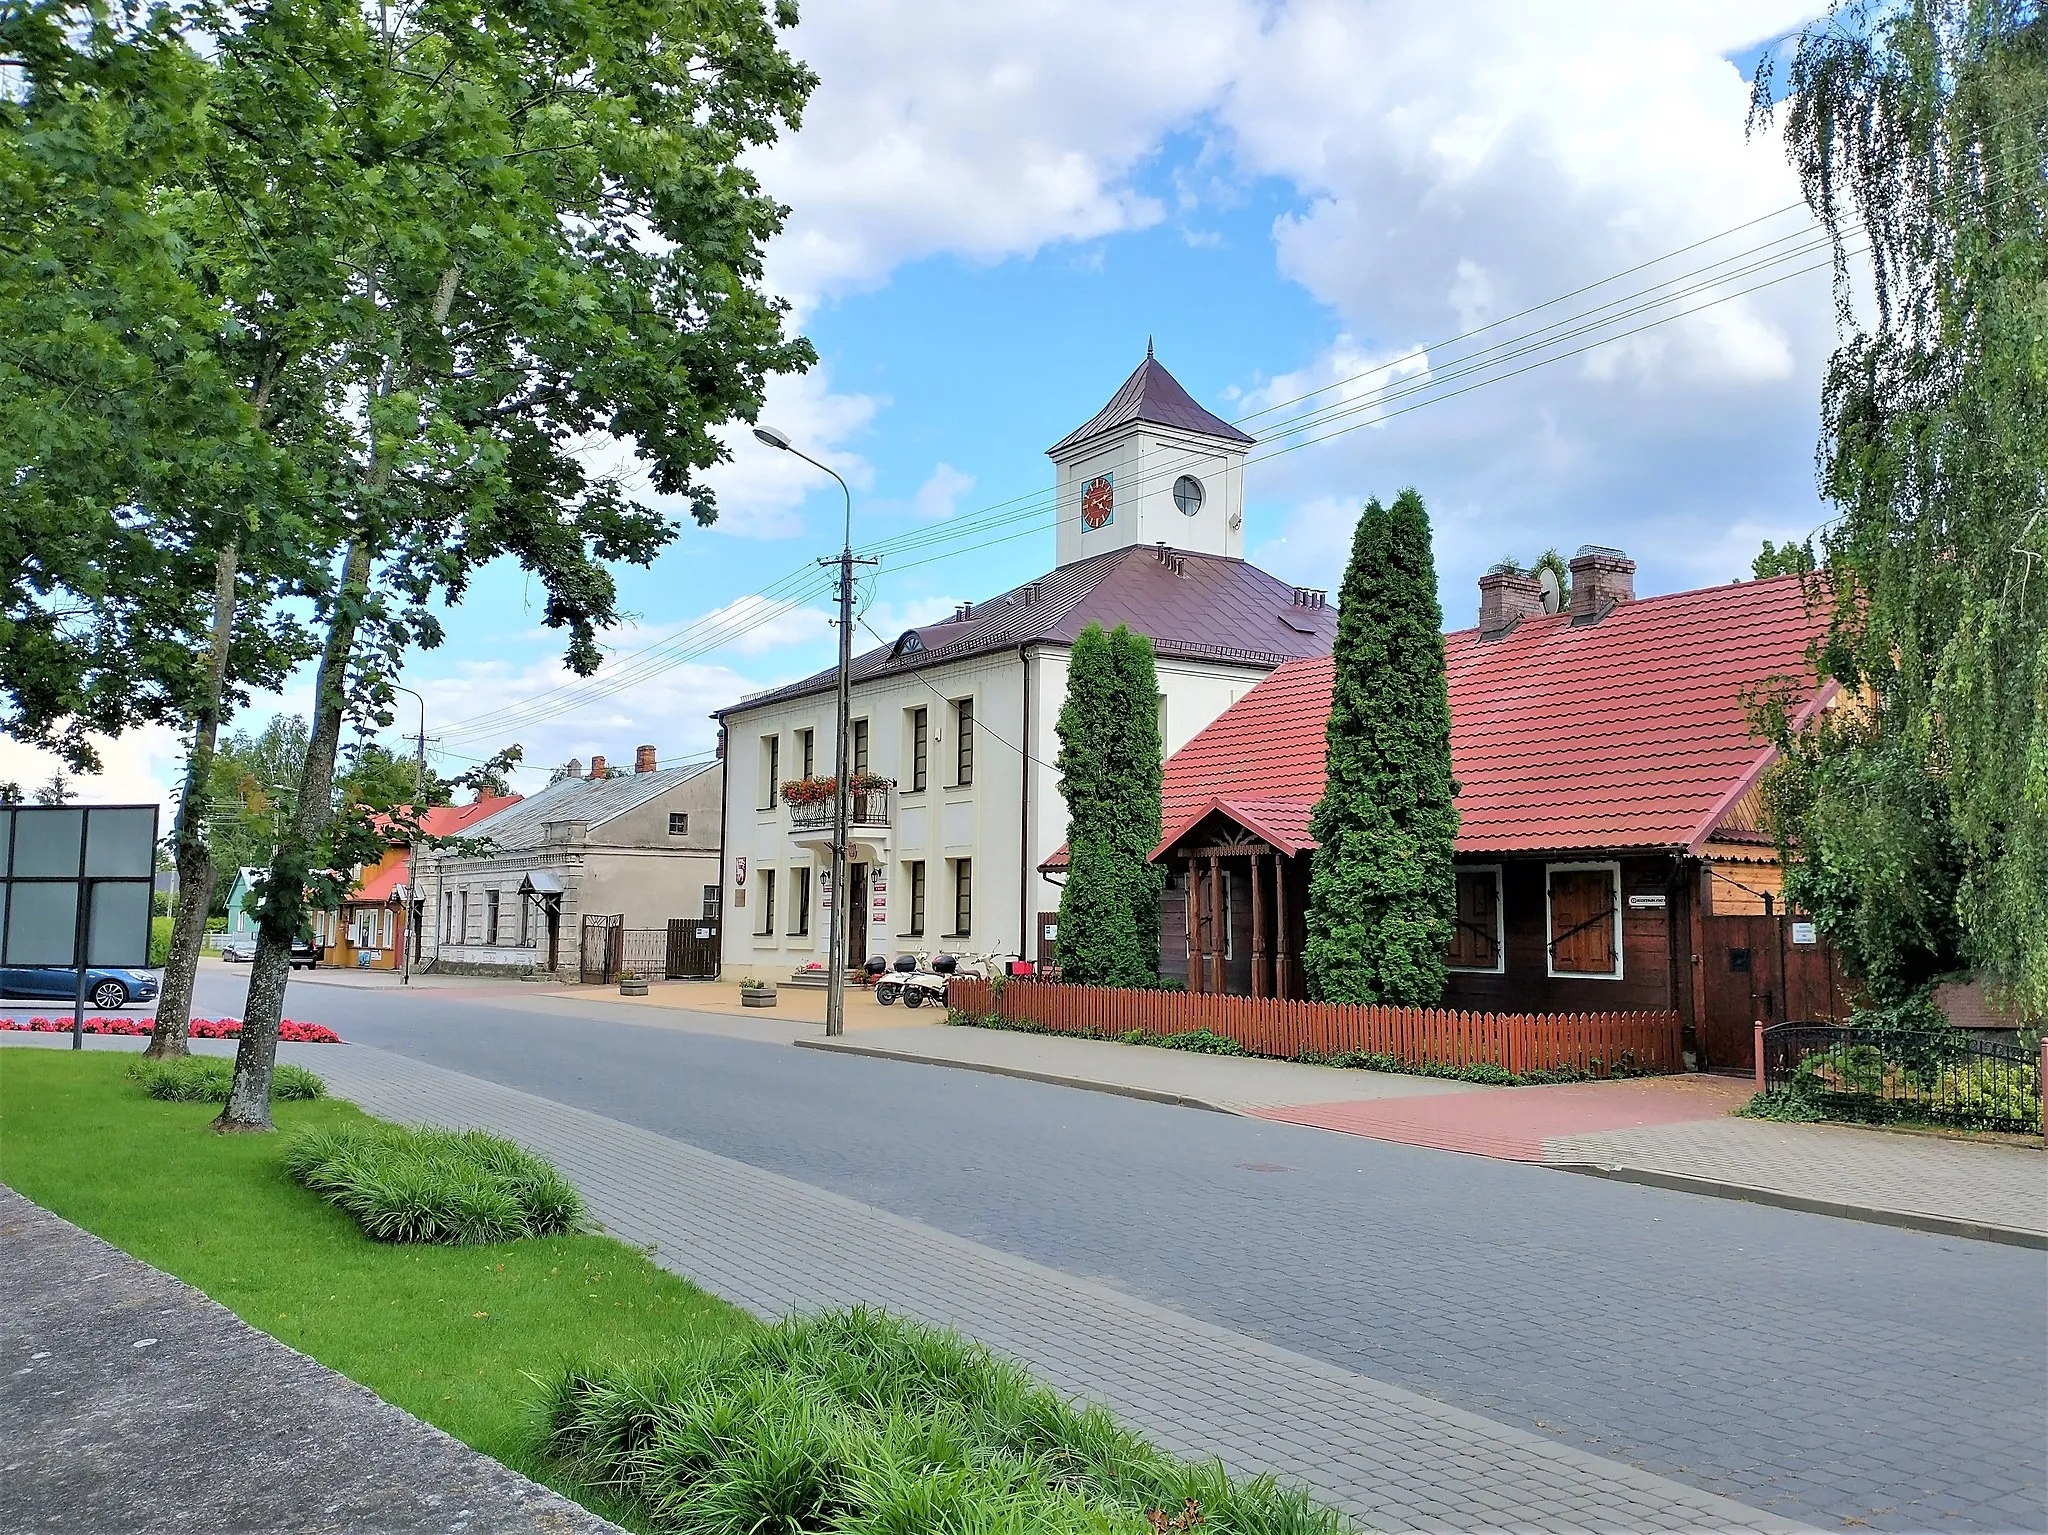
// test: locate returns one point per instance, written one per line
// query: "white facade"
(1003, 823)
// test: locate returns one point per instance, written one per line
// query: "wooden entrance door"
(1758, 969)
(857, 917)
(692, 948)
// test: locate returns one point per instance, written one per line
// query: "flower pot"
(757, 996)
(632, 988)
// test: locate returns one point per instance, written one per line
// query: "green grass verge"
(210, 1079)
(455, 1335)
(859, 1423)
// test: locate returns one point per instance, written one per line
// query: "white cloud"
(139, 768)
(984, 131)
(938, 495)
(1462, 163)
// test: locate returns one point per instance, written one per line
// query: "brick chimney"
(643, 759)
(721, 743)
(1505, 599)
(1600, 578)
(597, 767)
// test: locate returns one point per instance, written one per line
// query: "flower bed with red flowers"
(201, 1028)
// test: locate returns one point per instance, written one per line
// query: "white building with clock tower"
(955, 720)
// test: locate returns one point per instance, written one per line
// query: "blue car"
(106, 989)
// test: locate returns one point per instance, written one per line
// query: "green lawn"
(455, 1335)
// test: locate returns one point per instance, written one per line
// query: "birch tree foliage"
(495, 236)
(1920, 135)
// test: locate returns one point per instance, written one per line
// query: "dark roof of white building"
(1150, 394)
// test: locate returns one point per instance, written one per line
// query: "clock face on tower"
(1098, 502)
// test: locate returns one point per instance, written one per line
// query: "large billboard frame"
(76, 888)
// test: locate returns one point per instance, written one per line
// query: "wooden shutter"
(1475, 940)
(1582, 922)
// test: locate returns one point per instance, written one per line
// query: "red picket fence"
(1286, 1030)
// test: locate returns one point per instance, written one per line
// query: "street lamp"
(835, 974)
(412, 846)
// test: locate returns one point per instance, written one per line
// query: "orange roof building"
(1608, 810)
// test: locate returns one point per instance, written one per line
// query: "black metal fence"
(1941, 1076)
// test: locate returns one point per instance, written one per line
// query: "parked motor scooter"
(915, 982)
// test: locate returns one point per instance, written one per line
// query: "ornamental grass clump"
(209, 1079)
(404, 1185)
(860, 1423)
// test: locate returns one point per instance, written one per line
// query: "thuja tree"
(1917, 822)
(493, 234)
(1110, 773)
(1382, 897)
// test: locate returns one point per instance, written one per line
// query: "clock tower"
(1152, 467)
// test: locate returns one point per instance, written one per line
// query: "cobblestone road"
(1824, 1369)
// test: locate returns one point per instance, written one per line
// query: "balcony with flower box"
(870, 815)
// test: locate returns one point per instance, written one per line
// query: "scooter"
(911, 980)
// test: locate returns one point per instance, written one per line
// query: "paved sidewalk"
(1230, 1083)
(1390, 1457)
(1674, 1132)
(133, 1403)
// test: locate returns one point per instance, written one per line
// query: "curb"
(1907, 1220)
(1173, 1100)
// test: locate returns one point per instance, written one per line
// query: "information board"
(75, 885)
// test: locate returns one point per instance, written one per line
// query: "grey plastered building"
(641, 846)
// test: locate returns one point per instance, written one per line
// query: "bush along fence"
(1936, 1076)
(1417, 1038)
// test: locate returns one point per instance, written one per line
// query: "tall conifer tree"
(1382, 896)
(1110, 775)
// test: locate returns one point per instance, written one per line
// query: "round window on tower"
(1188, 494)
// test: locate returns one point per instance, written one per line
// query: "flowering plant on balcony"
(808, 791)
(816, 790)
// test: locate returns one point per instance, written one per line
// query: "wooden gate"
(692, 949)
(1758, 968)
(603, 942)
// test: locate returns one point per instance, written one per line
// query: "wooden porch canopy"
(1269, 835)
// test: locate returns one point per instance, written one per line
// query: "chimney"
(1506, 597)
(575, 767)
(1310, 597)
(1030, 592)
(721, 743)
(1601, 577)
(643, 759)
(597, 767)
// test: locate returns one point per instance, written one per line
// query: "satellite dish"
(1552, 592)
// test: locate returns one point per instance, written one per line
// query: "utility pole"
(412, 847)
(835, 974)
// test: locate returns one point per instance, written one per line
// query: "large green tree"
(1110, 775)
(1916, 822)
(485, 237)
(1382, 897)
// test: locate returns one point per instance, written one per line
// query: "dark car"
(106, 988)
(306, 954)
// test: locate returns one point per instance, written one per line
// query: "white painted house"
(960, 714)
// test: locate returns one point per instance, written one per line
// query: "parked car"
(306, 954)
(105, 988)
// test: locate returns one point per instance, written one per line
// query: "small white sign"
(1646, 903)
(703, 932)
(1803, 932)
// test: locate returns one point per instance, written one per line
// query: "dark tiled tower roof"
(1151, 394)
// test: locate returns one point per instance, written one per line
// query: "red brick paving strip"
(1513, 1123)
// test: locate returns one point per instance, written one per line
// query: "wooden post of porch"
(1219, 941)
(1261, 982)
(1280, 925)
(1194, 906)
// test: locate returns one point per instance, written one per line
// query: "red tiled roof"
(439, 821)
(1626, 733)
(381, 886)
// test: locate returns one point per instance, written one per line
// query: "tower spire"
(1148, 348)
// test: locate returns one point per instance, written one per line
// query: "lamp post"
(412, 846)
(835, 975)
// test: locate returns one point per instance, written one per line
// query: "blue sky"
(993, 208)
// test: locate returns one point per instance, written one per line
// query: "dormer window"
(908, 645)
